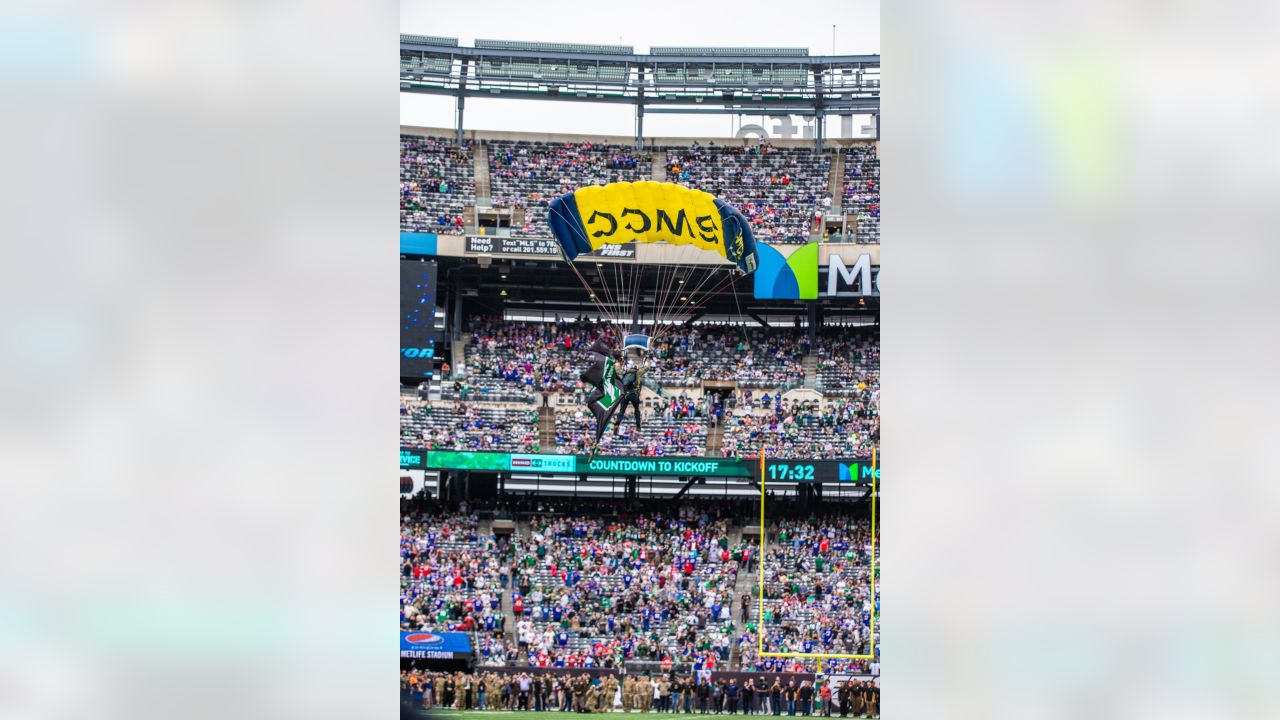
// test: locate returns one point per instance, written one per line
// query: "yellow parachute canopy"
(648, 212)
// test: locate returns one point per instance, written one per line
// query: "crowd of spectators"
(677, 426)
(603, 584)
(843, 428)
(817, 594)
(533, 355)
(596, 592)
(861, 191)
(848, 365)
(450, 577)
(548, 356)
(511, 359)
(755, 357)
(467, 426)
(531, 174)
(780, 190)
(436, 183)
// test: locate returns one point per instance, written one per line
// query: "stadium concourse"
(642, 591)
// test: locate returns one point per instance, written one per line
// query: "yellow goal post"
(760, 651)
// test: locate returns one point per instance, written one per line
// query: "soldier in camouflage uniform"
(628, 693)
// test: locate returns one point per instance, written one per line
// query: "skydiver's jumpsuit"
(630, 382)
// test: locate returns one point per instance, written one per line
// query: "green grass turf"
(508, 715)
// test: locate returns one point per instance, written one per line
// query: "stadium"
(639, 388)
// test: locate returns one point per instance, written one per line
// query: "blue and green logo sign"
(787, 278)
(857, 472)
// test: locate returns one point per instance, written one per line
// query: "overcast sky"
(641, 24)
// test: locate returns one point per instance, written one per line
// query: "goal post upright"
(871, 638)
(760, 565)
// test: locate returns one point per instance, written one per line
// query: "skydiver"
(630, 379)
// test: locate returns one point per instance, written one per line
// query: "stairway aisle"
(746, 583)
(835, 181)
(480, 164)
(546, 428)
(715, 439)
(810, 365)
(658, 170)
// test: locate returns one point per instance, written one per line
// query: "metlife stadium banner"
(445, 645)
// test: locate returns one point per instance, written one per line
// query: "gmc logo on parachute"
(638, 222)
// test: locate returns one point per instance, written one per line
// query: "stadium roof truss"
(781, 81)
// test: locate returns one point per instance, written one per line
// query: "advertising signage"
(546, 247)
(853, 471)
(572, 464)
(704, 467)
(512, 245)
(450, 460)
(856, 471)
(544, 463)
(445, 645)
(417, 318)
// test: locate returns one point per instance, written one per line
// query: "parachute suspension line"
(659, 300)
(686, 289)
(666, 300)
(690, 291)
(683, 312)
(604, 312)
(585, 286)
(605, 291)
(623, 278)
(695, 306)
(618, 279)
(626, 277)
(746, 342)
(635, 299)
(610, 282)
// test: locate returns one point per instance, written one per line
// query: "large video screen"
(417, 318)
